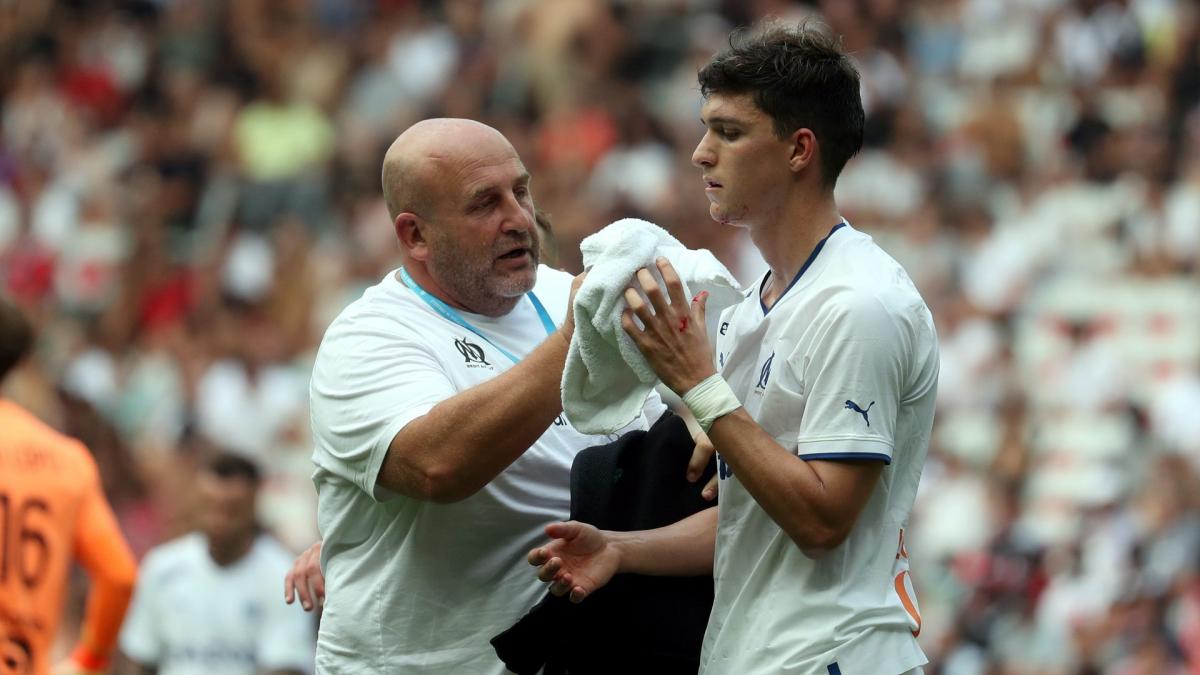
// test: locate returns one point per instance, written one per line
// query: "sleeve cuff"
(370, 475)
(849, 448)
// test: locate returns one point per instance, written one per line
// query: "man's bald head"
(413, 166)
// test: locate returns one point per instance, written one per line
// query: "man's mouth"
(711, 184)
(514, 254)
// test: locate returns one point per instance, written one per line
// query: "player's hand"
(701, 454)
(568, 328)
(674, 340)
(579, 560)
(306, 580)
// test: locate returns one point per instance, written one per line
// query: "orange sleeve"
(101, 549)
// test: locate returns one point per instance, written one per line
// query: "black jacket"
(635, 623)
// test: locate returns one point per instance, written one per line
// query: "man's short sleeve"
(853, 379)
(368, 382)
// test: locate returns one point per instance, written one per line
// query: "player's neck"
(787, 242)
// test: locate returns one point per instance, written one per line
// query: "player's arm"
(815, 502)
(101, 549)
(580, 558)
(463, 442)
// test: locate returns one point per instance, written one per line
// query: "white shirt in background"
(190, 616)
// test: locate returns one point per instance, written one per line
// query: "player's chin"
(731, 217)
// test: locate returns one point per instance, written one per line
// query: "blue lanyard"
(448, 313)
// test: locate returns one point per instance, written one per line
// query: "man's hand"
(305, 579)
(580, 560)
(700, 456)
(674, 340)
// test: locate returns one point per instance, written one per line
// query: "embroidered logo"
(724, 327)
(851, 405)
(765, 373)
(470, 351)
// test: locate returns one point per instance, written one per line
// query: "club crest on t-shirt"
(473, 354)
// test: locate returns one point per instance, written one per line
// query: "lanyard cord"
(447, 312)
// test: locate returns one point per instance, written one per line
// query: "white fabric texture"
(606, 378)
(190, 616)
(842, 367)
(419, 587)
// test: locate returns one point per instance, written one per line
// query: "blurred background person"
(52, 511)
(207, 602)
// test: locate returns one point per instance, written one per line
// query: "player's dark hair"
(16, 337)
(548, 242)
(228, 465)
(801, 78)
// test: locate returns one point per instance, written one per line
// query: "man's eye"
(729, 134)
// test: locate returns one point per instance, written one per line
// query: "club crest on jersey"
(765, 373)
(724, 472)
(471, 352)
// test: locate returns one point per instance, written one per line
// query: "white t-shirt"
(190, 616)
(851, 334)
(414, 586)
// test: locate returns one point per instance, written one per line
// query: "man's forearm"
(681, 549)
(465, 441)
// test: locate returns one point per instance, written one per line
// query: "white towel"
(606, 379)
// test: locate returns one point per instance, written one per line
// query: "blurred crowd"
(189, 193)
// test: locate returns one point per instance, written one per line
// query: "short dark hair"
(229, 465)
(548, 243)
(16, 337)
(801, 78)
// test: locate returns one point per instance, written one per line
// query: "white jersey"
(414, 586)
(190, 616)
(843, 366)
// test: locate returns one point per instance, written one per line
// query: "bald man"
(440, 447)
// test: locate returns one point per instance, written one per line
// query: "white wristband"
(711, 399)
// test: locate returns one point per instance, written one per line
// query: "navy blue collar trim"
(803, 268)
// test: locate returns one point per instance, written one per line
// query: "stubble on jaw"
(474, 281)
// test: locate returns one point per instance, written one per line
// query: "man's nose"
(702, 157)
(516, 218)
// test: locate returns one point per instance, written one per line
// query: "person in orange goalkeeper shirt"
(52, 510)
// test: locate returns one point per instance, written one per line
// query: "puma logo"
(851, 405)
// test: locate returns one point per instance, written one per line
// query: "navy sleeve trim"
(878, 456)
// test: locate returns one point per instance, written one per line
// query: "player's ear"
(803, 147)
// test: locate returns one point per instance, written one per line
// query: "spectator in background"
(52, 511)
(203, 603)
